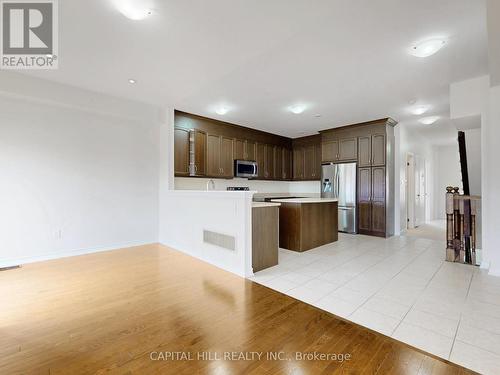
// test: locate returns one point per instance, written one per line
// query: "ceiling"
(346, 60)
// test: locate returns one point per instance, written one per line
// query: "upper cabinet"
(330, 151)
(239, 149)
(181, 152)
(307, 157)
(348, 149)
(287, 164)
(220, 151)
(250, 150)
(372, 149)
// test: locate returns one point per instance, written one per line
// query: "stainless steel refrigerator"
(339, 181)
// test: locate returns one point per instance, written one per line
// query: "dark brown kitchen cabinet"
(219, 156)
(181, 152)
(287, 164)
(269, 162)
(372, 201)
(364, 151)
(371, 150)
(278, 163)
(330, 151)
(298, 163)
(260, 157)
(198, 152)
(364, 200)
(378, 149)
(348, 149)
(250, 150)
(378, 221)
(239, 149)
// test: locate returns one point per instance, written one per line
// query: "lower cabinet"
(372, 201)
(265, 237)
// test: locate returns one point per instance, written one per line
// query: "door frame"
(410, 190)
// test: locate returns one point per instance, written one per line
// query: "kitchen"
(303, 179)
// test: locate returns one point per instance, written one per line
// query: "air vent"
(219, 239)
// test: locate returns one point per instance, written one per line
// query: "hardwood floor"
(106, 313)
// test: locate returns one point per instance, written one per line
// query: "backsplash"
(189, 183)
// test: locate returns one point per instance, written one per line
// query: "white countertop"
(305, 200)
(265, 204)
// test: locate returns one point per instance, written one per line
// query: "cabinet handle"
(195, 168)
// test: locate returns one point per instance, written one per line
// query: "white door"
(420, 192)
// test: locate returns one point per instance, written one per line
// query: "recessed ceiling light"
(133, 9)
(222, 110)
(427, 48)
(419, 110)
(429, 120)
(297, 109)
(132, 81)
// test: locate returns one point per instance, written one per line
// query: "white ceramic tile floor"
(400, 287)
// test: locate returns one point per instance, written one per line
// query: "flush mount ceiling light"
(419, 110)
(222, 110)
(133, 9)
(297, 109)
(132, 81)
(429, 120)
(427, 48)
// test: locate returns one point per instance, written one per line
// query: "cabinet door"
(317, 162)
(329, 151)
(260, 157)
(309, 163)
(181, 152)
(239, 149)
(378, 200)
(287, 164)
(298, 163)
(200, 152)
(269, 162)
(213, 156)
(250, 150)
(378, 150)
(364, 151)
(278, 163)
(226, 157)
(348, 149)
(364, 199)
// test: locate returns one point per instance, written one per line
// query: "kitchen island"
(306, 223)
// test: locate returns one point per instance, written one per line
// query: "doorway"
(415, 190)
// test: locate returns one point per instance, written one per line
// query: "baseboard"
(40, 258)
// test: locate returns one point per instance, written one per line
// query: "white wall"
(188, 214)
(447, 173)
(467, 97)
(79, 171)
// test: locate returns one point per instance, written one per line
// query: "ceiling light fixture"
(132, 81)
(427, 48)
(429, 120)
(297, 109)
(222, 110)
(133, 9)
(420, 110)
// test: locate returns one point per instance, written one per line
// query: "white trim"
(51, 256)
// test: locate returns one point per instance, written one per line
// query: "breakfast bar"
(306, 223)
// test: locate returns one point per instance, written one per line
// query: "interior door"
(419, 180)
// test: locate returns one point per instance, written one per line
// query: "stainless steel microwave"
(245, 168)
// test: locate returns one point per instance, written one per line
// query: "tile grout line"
(460, 319)
(413, 304)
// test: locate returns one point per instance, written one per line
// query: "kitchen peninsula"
(306, 223)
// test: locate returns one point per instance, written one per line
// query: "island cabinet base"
(304, 226)
(265, 244)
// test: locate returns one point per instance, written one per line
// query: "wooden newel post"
(450, 227)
